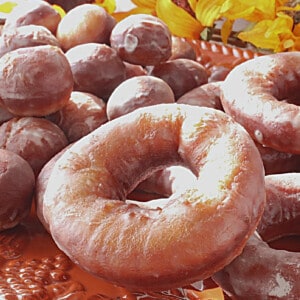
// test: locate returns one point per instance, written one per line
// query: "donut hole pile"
(99, 110)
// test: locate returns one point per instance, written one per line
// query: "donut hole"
(159, 187)
(288, 243)
(280, 237)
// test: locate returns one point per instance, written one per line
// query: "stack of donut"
(92, 112)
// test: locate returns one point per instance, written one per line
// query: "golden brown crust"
(262, 272)
(131, 245)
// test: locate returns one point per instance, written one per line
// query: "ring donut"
(262, 272)
(266, 99)
(85, 205)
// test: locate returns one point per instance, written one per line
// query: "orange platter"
(32, 267)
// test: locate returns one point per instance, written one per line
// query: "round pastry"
(262, 272)
(262, 94)
(218, 73)
(34, 139)
(181, 48)
(96, 68)
(138, 91)
(17, 183)
(190, 72)
(35, 81)
(82, 114)
(26, 36)
(86, 23)
(132, 245)
(142, 40)
(34, 12)
(207, 95)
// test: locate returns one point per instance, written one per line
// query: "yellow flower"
(145, 3)
(276, 35)
(109, 5)
(207, 12)
(142, 7)
(179, 21)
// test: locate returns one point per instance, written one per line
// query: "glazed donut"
(35, 81)
(190, 72)
(35, 139)
(17, 183)
(181, 48)
(86, 23)
(85, 205)
(142, 39)
(266, 98)
(262, 272)
(33, 12)
(136, 92)
(207, 95)
(82, 114)
(96, 68)
(26, 36)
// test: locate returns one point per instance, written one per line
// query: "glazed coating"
(26, 36)
(207, 95)
(262, 272)
(35, 81)
(142, 39)
(131, 245)
(34, 12)
(96, 69)
(136, 92)
(17, 183)
(35, 139)
(191, 74)
(265, 99)
(86, 23)
(82, 114)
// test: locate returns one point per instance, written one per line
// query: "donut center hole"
(289, 243)
(156, 190)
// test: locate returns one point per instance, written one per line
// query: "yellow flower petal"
(60, 10)
(145, 3)
(7, 7)
(210, 294)
(226, 30)
(207, 12)
(257, 37)
(137, 10)
(296, 30)
(109, 5)
(180, 22)
(192, 4)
